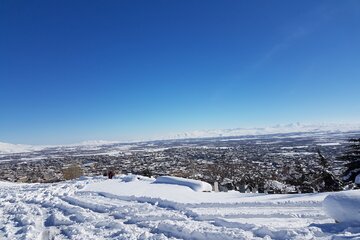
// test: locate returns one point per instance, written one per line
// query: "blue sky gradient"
(120, 70)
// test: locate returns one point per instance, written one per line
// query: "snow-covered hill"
(134, 207)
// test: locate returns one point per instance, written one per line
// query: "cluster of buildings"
(244, 164)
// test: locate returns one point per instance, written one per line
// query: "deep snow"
(133, 207)
(357, 179)
(344, 207)
(196, 185)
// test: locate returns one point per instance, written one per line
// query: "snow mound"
(196, 185)
(344, 207)
(132, 178)
(129, 178)
(357, 179)
(279, 186)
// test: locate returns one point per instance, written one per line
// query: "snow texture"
(344, 207)
(132, 207)
(195, 185)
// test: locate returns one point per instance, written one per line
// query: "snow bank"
(196, 185)
(357, 179)
(132, 178)
(129, 178)
(122, 185)
(344, 206)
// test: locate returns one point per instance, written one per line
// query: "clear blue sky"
(116, 70)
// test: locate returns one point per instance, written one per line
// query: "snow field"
(135, 208)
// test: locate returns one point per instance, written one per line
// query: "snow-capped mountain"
(278, 129)
(8, 148)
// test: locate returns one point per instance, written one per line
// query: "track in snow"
(60, 211)
(57, 212)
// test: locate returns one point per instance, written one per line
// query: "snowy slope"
(136, 208)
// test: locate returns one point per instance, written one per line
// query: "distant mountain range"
(8, 148)
(288, 128)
